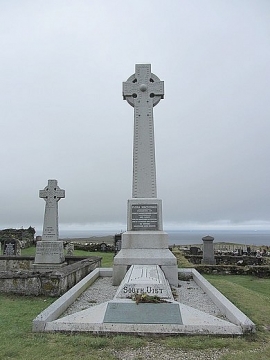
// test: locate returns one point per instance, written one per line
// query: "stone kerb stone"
(144, 279)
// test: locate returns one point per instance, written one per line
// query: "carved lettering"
(144, 217)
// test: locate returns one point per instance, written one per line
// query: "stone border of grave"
(45, 320)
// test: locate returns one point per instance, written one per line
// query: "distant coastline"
(186, 237)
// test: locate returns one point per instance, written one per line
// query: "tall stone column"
(208, 250)
(144, 242)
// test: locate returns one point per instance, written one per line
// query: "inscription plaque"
(130, 313)
(144, 217)
(49, 252)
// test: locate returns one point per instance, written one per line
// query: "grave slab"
(144, 279)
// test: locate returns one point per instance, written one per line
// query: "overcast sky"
(62, 64)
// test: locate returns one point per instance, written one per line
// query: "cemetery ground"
(250, 294)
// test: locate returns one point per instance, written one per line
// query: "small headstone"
(194, 250)
(117, 242)
(10, 247)
(70, 248)
(103, 247)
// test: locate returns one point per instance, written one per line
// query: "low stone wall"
(229, 260)
(17, 278)
(259, 271)
(91, 246)
(14, 263)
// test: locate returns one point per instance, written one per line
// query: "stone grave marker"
(194, 250)
(10, 247)
(70, 248)
(50, 251)
(103, 247)
(208, 250)
(117, 243)
(144, 242)
(143, 280)
(147, 279)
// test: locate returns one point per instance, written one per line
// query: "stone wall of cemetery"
(262, 271)
(17, 278)
(25, 236)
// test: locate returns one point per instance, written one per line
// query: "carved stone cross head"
(52, 192)
(143, 87)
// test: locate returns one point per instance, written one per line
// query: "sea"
(189, 237)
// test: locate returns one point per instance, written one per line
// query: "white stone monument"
(50, 251)
(144, 242)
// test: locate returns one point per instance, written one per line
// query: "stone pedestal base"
(145, 248)
(49, 256)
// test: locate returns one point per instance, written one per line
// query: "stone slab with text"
(144, 279)
(49, 252)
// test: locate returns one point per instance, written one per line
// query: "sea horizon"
(189, 237)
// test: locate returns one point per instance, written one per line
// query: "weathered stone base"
(47, 267)
(49, 252)
(145, 248)
(54, 283)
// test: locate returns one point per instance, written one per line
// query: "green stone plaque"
(143, 313)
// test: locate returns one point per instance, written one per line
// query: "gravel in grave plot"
(188, 293)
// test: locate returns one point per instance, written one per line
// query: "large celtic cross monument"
(143, 91)
(50, 251)
(144, 242)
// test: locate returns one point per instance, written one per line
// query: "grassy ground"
(107, 257)
(18, 342)
(250, 294)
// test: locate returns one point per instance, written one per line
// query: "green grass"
(107, 257)
(250, 294)
(18, 342)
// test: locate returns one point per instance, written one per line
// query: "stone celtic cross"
(143, 90)
(51, 194)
